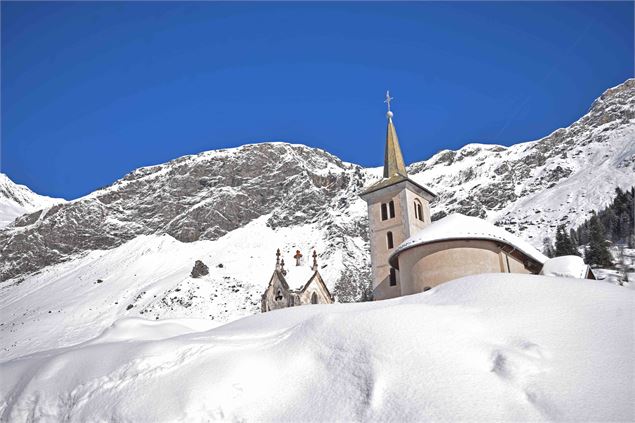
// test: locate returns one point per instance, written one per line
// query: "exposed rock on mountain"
(192, 198)
(199, 269)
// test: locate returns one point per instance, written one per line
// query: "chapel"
(312, 289)
(411, 254)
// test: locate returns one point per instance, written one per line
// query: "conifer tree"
(547, 247)
(564, 245)
(597, 252)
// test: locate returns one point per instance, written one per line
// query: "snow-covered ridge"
(324, 167)
(16, 200)
(531, 187)
(501, 347)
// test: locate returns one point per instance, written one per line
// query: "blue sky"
(91, 91)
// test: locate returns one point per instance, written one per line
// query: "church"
(312, 289)
(411, 254)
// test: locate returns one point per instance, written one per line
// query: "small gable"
(311, 288)
(316, 291)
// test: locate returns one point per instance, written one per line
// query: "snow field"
(499, 347)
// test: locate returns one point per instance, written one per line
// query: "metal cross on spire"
(388, 99)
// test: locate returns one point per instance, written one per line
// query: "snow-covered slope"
(16, 200)
(483, 348)
(149, 277)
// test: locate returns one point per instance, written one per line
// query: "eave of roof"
(394, 180)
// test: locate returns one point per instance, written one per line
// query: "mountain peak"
(16, 200)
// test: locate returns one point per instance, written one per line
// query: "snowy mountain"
(16, 200)
(203, 197)
(503, 347)
(532, 187)
(232, 208)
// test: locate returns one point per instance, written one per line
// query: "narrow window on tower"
(384, 211)
(393, 277)
(391, 206)
(418, 210)
(389, 240)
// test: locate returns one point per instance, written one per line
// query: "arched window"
(291, 301)
(314, 298)
(384, 211)
(389, 240)
(279, 295)
(418, 210)
(393, 277)
(391, 208)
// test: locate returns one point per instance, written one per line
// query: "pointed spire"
(315, 266)
(393, 159)
(278, 259)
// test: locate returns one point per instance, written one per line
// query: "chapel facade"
(279, 294)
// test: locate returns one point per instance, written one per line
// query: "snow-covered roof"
(565, 266)
(298, 276)
(458, 226)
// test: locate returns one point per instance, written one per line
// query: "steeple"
(398, 207)
(393, 159)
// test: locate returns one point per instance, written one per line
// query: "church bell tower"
(398, 207)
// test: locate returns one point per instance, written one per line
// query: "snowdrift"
(487, 347)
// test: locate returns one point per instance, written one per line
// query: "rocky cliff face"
(201, 197)
(528, 188)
